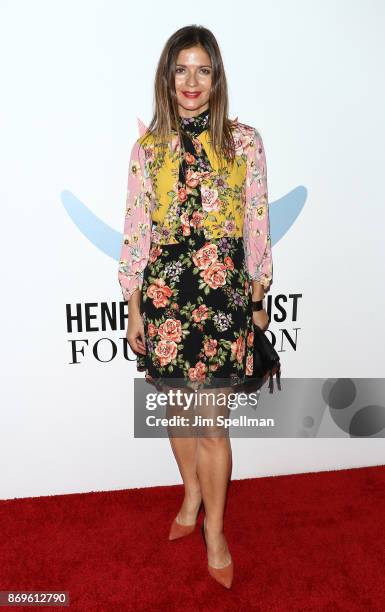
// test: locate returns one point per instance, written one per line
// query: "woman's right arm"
(137, 225)
(136, 238)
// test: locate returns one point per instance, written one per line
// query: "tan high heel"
(223, 575)
(180, 531)
(177, 530)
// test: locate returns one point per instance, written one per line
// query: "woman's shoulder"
(151, 143)
(245, 129)
(247, 133)
(147, 138)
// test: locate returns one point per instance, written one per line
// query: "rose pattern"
(196, 294)
(196, 313)
(212, 201)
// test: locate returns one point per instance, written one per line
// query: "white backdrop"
(76, 76)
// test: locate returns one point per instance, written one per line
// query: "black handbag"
(266, 360)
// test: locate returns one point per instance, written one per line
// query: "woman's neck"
(189, 114)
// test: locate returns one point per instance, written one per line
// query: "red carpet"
(300, 542)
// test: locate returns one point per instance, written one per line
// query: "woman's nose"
(192, 80)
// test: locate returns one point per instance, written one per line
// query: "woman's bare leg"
(185, 453)
(214, 463)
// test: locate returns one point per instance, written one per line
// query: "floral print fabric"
(197, 315)
(195, 299)
(195, 286)
(234, 202)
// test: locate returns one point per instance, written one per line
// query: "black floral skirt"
(197, 315)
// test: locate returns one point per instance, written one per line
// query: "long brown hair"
(165, 117)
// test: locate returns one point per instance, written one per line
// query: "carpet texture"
(306, 542)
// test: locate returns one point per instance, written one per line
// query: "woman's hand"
(135, 332)
(261, 318)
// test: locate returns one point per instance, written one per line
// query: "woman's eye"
(205, 71)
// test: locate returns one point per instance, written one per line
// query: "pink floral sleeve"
(256, 234)
(137, 224)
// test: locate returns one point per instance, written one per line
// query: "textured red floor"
(300, 542)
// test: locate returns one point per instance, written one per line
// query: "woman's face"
(193, 75)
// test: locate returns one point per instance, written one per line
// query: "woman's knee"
(214, 442)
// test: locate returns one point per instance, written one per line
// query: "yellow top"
(234, 203)
(225, 183)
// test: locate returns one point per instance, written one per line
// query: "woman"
(196, 260)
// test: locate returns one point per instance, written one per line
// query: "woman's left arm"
(257, 238)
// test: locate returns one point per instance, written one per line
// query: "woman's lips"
(191, 94)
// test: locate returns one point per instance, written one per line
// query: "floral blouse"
(234, 201)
